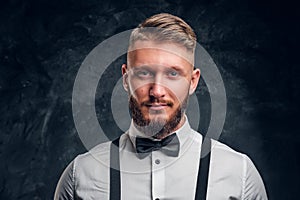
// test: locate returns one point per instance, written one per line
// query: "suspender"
(202, 180)
(203, 172)
(115, 181)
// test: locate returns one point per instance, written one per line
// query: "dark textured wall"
(254, 43)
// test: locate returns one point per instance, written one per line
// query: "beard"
(158, 127)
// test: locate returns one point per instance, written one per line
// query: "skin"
(159, 79)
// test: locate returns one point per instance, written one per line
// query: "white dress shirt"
(232, 175)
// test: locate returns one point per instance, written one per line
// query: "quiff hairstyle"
(165, 28)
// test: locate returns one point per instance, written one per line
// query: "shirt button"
(157, 161)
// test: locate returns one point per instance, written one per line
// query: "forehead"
(148, 52)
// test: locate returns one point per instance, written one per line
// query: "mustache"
(157, 101)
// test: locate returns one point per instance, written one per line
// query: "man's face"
(159, 78)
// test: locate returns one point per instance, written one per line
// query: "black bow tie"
(168, 145)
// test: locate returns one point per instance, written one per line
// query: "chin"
(155, 122)
(158, 117)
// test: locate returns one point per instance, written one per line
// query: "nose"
(157, 90)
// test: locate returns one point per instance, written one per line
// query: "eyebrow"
(139, 67)
(177, 68)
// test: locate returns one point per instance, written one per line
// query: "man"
(159, 156)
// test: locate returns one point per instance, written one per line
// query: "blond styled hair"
(165, 28)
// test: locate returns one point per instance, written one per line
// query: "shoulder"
(95, 157)
(218, 149)
(224, 152)
(92, 168)
(227, 160)
(227, 163)
(87, 172)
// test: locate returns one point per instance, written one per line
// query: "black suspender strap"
(202, 180)
(115, 181)
(203, 172)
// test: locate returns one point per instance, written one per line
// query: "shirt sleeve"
(65, 187)
(253, 186)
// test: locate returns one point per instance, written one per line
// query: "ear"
(194, 80)
(125, 77)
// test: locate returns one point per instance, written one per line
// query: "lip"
(157, 106)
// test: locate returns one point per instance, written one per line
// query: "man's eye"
(143, 74)
(173, 73)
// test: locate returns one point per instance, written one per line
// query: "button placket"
(158, 175)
